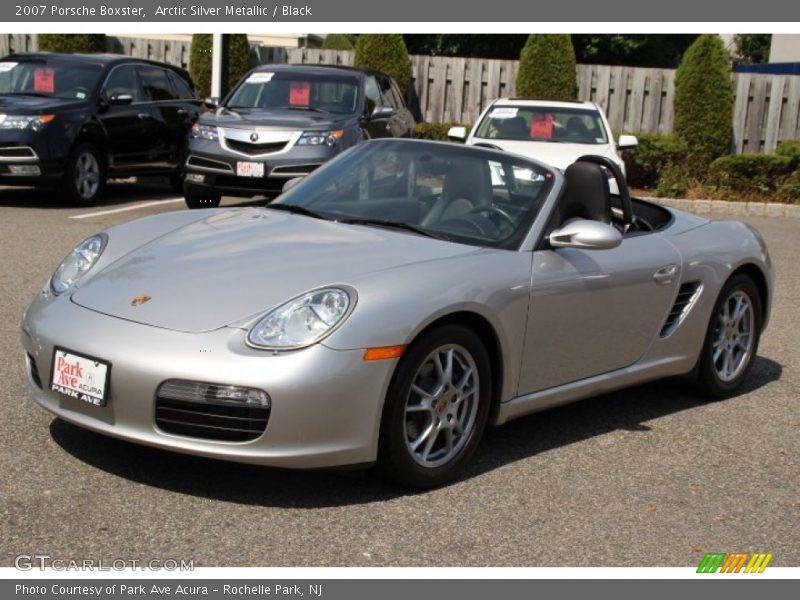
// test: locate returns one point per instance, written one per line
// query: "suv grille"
(253, 149)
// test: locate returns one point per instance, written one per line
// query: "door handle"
(665, 275)
(143, 115)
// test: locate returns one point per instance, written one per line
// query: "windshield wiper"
(37, 94)
(296, 210)
(394, 225)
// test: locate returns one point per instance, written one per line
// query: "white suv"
(556, 133)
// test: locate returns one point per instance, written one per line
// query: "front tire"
(731, 339)
(85, 178)
(436, 408)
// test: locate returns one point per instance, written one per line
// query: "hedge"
(84, 43)
(790, 148)
(645, 162)
(236, 61)
(547, 68)
(748, 174)
(704, 101)
(435, 131)
(386, 53)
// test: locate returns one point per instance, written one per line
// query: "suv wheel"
(85, 178)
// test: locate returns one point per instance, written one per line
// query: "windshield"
(543, 124)
(265, 90)
(53, 79)
(451, 192)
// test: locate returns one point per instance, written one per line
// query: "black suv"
(284, 121)
(73, 120)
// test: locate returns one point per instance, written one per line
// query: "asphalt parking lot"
(651, 476)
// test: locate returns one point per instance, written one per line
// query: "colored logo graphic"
(734, 563)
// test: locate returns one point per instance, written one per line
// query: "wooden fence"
(766, 110)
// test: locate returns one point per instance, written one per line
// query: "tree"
(336, 41)
(235, 63)
(547, 68)
(478, 45)
(662, 51)
(751, 48)
(386, 53)
(72, 42)
(704, 101)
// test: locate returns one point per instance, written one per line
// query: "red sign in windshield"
(299, 93)
(44, 81)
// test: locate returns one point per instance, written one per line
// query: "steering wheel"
(493, 210)
(624, 194)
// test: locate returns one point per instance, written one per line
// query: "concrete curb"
(733, 209)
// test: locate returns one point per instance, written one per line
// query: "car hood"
(19, 104)
(285, 119)
(558, 155)
(238, 264)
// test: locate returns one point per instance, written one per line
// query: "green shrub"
(434, 131)
(336, 41)
(547, 68)
(748, 174)
(644, 163)
(704, 101)
(789, 189)
(790, 148)
(673, 181)
(235, 62)
(72, 42)
(386, 53)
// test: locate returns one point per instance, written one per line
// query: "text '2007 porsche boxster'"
(388, 307)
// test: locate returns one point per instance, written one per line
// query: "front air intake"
(687, 296)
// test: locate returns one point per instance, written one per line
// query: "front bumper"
(325, 404)
(216, 166)
(27, 159)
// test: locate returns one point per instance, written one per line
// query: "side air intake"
(687, 296)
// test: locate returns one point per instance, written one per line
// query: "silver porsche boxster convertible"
(388, 307)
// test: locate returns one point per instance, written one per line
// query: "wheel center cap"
(441, 406)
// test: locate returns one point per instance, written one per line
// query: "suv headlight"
(317, 138)
(205, 132)
(303, 321)
(32, 122)
(77, 263)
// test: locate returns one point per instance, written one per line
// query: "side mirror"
(119, 99)
(457, 133)
(382, 112)
(290, 183)
(586, 235)
(627, 141)
(211, 102)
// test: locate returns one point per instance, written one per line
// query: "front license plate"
(249, 169)
(80, 377)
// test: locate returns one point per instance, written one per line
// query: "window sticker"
(44, 80)
(7, 66)
(259, 78)
(542, 125)
(300, 93)
(504, 112)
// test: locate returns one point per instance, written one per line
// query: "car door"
(396, 120)
(168, 116)
(595, 311)
(405, 118)
(129, 127)
(377, 125)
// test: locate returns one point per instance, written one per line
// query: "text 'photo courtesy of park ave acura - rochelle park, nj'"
(298, 297)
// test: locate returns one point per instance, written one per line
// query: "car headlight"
(302, 321)
(77, 263)
(32, 122)
(206, 132)
(317, 138)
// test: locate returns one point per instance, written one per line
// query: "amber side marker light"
(384, 352)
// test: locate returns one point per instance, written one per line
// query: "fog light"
(196, 391)
(24, 170)
(195, 177)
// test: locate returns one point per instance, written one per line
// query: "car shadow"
(627, 410)
(117, 192)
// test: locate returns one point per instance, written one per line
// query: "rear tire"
(731, 339)
(85, 177)
(201, 200)
(436, 408)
